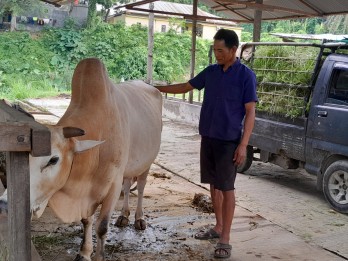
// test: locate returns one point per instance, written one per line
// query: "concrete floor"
(279, 215)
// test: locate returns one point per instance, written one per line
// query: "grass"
(17, 88)
(284, 75)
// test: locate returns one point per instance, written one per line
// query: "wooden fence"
(20, 135)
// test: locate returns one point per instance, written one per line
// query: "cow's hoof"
(122, 221)
(140, 224)
(81, 258)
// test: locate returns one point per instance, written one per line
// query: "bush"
(43, 63)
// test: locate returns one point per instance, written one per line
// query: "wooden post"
(150, 45)
(257, 23)
(20, 135)
(193, 48)
(18, 193)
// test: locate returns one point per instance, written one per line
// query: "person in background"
(229, 97)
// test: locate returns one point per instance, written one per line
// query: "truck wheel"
(335, 185)
(249, 159)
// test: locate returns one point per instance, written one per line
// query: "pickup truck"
(310, 129)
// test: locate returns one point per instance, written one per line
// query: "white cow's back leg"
(123, 219)
(140, 223)
(87, 243)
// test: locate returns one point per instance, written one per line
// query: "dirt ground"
(279, 214)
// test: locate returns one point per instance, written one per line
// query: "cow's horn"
(70, 132)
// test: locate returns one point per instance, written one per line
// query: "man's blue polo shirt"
(225, 94)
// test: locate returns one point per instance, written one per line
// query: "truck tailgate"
(275, 135)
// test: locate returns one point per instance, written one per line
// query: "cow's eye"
(53, 161)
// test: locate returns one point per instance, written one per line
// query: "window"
(163, 28)
(338, 93)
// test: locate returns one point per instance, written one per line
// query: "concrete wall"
(181, 111)
(79, 14)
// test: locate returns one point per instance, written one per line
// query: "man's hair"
(230, 37)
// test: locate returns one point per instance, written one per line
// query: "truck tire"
(335, 185)
(248, 160)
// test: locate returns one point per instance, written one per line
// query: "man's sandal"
(205, 235)
(222, 250)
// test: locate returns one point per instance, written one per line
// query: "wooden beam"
(227, 8)
(150, 43)
(57, 3)
(186, 16)
(135, 4)
(40, 135)
(257, 23)
(315, 9)
(193, 45)
(15, 137)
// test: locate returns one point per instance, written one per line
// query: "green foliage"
(24, 65)
(337, 24)
(283, 75)
(18, 6)
(33, 65)
(172, 60)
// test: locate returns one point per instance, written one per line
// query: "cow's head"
(48, 174)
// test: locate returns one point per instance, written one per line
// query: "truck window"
(338, 93)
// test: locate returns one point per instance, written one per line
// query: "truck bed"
(279, 135)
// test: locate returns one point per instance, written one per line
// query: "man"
(229, 97)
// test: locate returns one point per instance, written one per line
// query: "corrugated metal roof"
(176, 8)
(243, 11)
(169, 8)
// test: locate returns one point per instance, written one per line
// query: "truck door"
(327, 131)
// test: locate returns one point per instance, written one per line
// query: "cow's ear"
(82, 145)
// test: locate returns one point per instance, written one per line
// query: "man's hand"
(240, 154)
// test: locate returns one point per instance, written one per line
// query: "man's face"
(223, 54)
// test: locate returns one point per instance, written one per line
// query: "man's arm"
(175, 88)
(240, 154)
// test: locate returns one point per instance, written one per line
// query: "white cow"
(108, 133)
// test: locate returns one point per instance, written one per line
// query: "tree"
(106, 4)
(92, 9)
(15, 7)
(337, 24)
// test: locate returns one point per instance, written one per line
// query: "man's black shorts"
(217, 166)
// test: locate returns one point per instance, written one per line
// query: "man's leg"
(228, 206)
(217, 199)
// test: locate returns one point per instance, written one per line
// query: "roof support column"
(150, 45)
(257, 23)
(193, 48)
